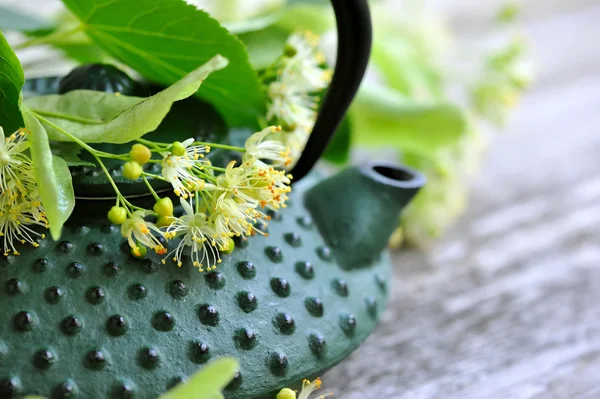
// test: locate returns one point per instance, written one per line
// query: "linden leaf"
(208, 382)
(51, 175)
(165, 39)
(115, 118)
(11, 83)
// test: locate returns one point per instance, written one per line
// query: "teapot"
(84, 318)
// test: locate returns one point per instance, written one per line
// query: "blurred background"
(496, 263)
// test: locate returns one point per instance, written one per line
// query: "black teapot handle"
(354, 48)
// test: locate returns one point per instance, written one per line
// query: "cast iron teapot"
(83, 318)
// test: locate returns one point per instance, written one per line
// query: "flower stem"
(223, 146)
(156, 197)
(48, 39)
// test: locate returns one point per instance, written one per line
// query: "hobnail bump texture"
(83, 318)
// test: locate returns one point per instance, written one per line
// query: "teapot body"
(84, 316)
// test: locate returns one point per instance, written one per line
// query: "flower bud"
(286, 393)
(117, 215)
(164, 207)
(177, 149)
(289, 50)
(230, 246)
(164, 221)
(132, 170)
(140, 153)
(139, 252)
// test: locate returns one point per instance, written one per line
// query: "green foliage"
(383, 117)
(164, 40)
(208, 382)
(52, 176)
(69, 152)
(19, 21)
(115, 118)
(11, 83)
(338, 150)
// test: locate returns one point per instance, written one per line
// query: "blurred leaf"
(116, 118)
(164, 40)
(338, 150)
(11, 83)
(206, 383)
(508, 12)
(264, 46)
(404, 69)
(383, 117)
(10, 19)
(51, 175)
(255, 23)
(69, 152)
(301, 15)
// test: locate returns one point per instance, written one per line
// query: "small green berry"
(117, 215)
(289, 50)
(286, 393)
(230, 247)
(140, 153)
(164, 221)
(132, 170)
(139, 252)
(177, 149)
(164, 207)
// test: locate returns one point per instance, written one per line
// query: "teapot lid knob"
(353, 50)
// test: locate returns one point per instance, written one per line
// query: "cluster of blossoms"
(20, 206)
(218, 203)
(307, 388)
(293, 82)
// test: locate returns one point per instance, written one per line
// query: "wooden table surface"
(508, 304)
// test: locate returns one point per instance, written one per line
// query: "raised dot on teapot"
(14, 286)
(285, 323)
(44, 359)
(163, 321)
(245, 338)
(294, 239)
(305, 270)
(24, 321)
(208, 315)
(215, 280)
(246, 301)
(198, 352)
(278, 363)
(280, 286)
(177, 289)
(247, 270)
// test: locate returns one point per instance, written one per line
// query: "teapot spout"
(357, 210)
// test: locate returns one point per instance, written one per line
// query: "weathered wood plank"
(506, 305)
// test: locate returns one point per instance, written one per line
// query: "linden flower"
(196, 233)
(181, 171)
(14, 164)
(259, 148)
(137, 230)
(15, 217)
(290, 103)
(307, 388)
(304, 61)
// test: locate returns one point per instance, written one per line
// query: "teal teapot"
(82, 317)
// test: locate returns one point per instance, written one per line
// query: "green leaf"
(208, 382)
(383, 117)
(255, 23)
(11, 83)
(69, 152)
(19, 21)
(115, 118)
(338, 150)
(52, 176)
(165, 39)
(265, 46)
